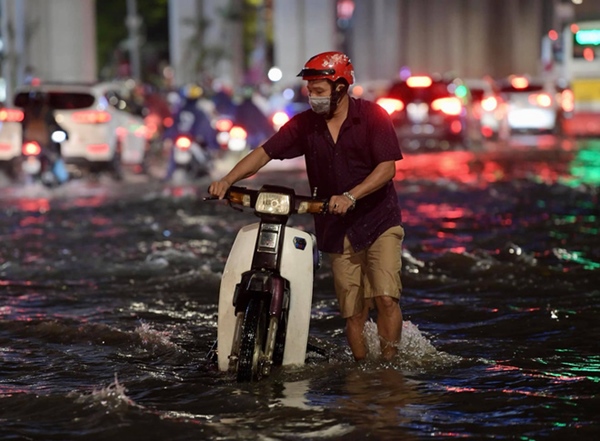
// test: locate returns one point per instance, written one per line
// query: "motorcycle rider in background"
(249, 116)
(38, 125)
(189, 119)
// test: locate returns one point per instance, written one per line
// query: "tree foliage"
(112, 34)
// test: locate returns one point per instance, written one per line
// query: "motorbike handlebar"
(247, 197)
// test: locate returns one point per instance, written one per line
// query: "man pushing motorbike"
(350, 148)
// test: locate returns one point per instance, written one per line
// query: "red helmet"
(328, 66)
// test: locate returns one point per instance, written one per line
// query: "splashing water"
(152, 337)
(112, 396)
(415, 351)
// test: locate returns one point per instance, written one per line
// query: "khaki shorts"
(373, 272)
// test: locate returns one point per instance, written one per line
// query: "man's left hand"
(340, 204)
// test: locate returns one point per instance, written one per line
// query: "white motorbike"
(265, 297)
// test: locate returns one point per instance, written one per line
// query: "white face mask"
(321, 105)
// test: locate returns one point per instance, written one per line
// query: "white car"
(535, 105)
(489, 108)
(10, 140)
(105, 129)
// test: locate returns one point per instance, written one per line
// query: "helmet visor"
(315, 72)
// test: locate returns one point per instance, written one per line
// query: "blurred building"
(56, 39)
(49, 39)
(469, 37)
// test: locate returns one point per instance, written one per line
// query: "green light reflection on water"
(587, 367)
(585, 167)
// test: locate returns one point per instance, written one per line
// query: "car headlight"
(273, 203)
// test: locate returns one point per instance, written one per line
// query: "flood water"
(109, 292)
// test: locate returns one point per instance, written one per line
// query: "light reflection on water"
(108, 308)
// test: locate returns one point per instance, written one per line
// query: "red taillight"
(279, 119)
(567, 100)
(540, 99)
(487, 131)
(519, 82)
(449, 105)
(224, 125)
(489, 103)
(183, 142)
(419, 81)
(456, 127)
(391, 105)
(31, 148)
(91, 117)
(5, 147)
(168, 121)
(11, 115)
(98, 148)
(238, 132)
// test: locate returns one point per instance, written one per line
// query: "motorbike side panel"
(296, 266)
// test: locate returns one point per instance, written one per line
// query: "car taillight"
(224, 125)
(567, 100)
(279, 119)
(31, 148)
(487, 131)
(456, 126)
(11, 115)
(91, 117)
(98, 148)
(391, 105)
(183, 142)
(449, 105)
(419, 81)
(519, 82)
(540, 99)
(489, 103)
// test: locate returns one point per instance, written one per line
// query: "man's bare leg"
(355, 326)
(389, 325)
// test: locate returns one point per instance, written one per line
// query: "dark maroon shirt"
(366, 139)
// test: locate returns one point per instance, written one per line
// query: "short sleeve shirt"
(366, 139)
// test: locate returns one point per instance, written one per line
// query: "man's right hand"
(219, 188)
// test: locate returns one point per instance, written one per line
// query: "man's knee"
(386, 303)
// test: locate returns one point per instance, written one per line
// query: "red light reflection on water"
(40, 205)
(31, 220)
(455, 165)
(95, 201)
(543, 160)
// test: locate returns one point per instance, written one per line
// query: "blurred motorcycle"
(190, 156)
(231, 137)
(191, 139)
(42, 163)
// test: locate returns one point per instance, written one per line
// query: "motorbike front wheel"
(252, 347)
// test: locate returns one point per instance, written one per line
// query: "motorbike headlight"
(273, 203)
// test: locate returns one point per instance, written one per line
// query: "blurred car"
(488, 108)
(370, 90)
(105, 129)
(10, 140)
(534, 105)
(431, 112)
